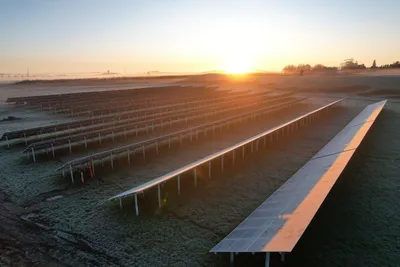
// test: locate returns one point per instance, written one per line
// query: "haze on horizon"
(193, 36)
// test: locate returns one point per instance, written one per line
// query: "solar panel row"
(106, 95)
(279, 222)
(94, 108)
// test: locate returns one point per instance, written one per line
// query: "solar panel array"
(275, 226)
(279, 222)
(171, 115)
(126, 150)
(193, 165)
(79, 125)
(135, 125)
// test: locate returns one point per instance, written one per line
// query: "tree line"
(348, 64)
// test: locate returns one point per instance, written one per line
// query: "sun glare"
(237, 66)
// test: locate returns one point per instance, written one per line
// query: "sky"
(74, 36)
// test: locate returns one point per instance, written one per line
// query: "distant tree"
(319, 66)
(394, 65)
(304, 67)
(290, 68)
(350, 64)
(373, 64)
(301, 69)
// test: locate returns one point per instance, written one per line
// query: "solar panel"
(279, 222)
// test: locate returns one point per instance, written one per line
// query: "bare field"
(357, 225)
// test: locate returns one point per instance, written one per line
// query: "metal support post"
(267, 256)
(159, 195)
(92, 165)
(72, 174)
(52, 149)
(195, 176)
(179, 184)
(157, 147)
(33, 154)
(136, 205)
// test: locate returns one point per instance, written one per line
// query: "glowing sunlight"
(238, 65)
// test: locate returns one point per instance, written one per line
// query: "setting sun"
(237, 65)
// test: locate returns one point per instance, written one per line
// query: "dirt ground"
(45, 221)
